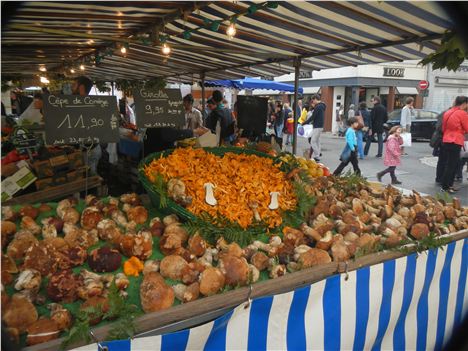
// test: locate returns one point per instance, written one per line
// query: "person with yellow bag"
(304, 112)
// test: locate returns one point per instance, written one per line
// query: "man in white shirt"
(193, 117)
(407, 115)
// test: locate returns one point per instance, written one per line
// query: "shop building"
(393, 82)
(445, 86)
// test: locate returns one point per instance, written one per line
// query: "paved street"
(417, 170)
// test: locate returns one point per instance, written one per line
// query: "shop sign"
(71, 119)
(394, 72)
(159, 108)
(305, 74)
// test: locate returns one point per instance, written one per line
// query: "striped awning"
(325, 34)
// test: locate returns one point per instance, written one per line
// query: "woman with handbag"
(349, 153)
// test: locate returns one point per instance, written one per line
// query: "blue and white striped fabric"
(411, 303)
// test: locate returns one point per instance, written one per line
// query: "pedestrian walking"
(289, 128)
(351, 111)
(454, 128)
(366, 131)
(349, 153)
(407, 114)
(317, 119)
(379, 117)
(393, 152)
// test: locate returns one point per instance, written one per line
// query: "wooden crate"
(43, 169)
(76, 159)
(60, 163)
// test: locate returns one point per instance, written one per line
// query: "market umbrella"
(252, 83)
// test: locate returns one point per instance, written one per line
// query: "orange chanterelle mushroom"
(242, 184)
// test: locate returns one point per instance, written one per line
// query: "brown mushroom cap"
(155, 294)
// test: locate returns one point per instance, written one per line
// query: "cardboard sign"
(252, 113)
(20, 180)
(159, 108)
(72, 119)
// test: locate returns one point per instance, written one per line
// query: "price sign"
(252, 113)
(159, 108)
(73, 119)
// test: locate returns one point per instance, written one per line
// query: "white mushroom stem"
(274, 200)
(275, 241)
(254, 274)
(254, 205)
(209, 194)
(262, 246)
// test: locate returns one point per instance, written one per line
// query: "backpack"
(436, 138)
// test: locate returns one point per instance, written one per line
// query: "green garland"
(127, 86)
(213, 228)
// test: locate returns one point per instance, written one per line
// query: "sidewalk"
(417, 170)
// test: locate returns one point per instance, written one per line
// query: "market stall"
(229, 224)
(191, 254)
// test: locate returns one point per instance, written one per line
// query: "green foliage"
(160, 187)
(305, 202)
(80, 329)
(449, 55)
(102, 86)
(124, 327)
(444, 197)
(430, 242)
(119, 309)
(127, 86)
(213, 228)
(11, 83)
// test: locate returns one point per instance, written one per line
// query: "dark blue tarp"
(252, 83)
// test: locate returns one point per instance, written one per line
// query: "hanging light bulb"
(166, 49)
(123, 50)
(42, 69)
(72, 70)
(82, 67)
(231, 31)
(44, 80)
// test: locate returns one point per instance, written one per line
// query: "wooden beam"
(297, 67)
(56, 192)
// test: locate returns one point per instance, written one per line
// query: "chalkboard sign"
(252, 113)
(159, 108)
(72, 119)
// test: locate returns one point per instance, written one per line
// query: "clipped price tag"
(115, 345)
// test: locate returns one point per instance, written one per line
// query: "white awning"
(407, 91)
(311, 90)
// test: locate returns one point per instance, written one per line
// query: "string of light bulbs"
(162, 39)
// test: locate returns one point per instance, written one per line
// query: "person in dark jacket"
(221, 118)
(160, 139)
(379, 117)
(317, 119)
(367, 129)
(278, 119)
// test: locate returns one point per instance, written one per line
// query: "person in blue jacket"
(349, 153)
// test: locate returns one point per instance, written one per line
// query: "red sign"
(423, 85)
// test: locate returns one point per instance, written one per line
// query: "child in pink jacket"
(392, 154)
